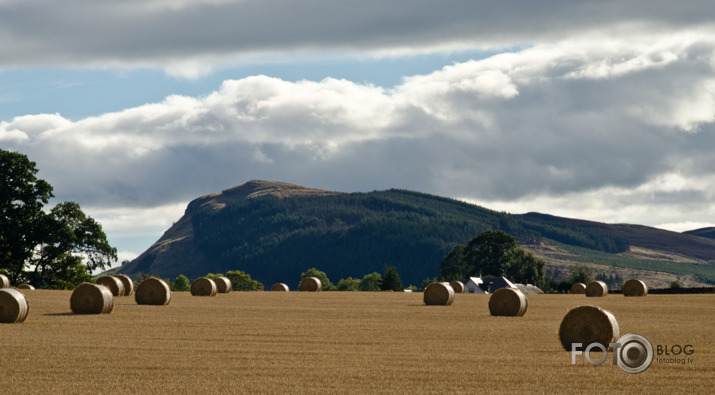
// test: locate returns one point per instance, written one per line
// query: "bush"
(181, 284)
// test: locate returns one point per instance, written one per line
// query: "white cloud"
(613, 130)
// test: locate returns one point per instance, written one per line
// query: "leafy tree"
(371, 282)
(427, 282)
(241, 281)
(614, 281)
(391, 280)
(525, 267)
(452, 267)
(489, 252)
(181, 284)
(325, 282)
(493, 253)
(676, 285)
(348, 284)
(55, 249)
(581, 273)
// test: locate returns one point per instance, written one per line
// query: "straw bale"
(88, 298)
(508, 302)
(13, 306)
(203, 286)
(115, 285)
(153, 291)
(439, 294)
(586, 325)
(127, 282)
(578, 289)
(634, 287)
(223, 285)
(311, 284)
(457, 286)
(596, 289)
(280, 287)
(25, 286)
(4, 281)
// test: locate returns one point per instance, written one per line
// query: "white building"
(473, 286)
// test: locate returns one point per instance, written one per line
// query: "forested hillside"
(276, 236)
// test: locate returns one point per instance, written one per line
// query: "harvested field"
(341, 342)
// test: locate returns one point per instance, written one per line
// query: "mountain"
(703, 232)
(274, 231)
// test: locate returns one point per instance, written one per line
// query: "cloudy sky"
(601, 110)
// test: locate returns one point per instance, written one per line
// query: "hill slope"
(703, 232)
(275, 231)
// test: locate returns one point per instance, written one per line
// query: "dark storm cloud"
(171, 33)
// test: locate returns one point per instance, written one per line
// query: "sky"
(599, 110)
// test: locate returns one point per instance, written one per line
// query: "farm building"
(473, 286)
(487, 285)
(529, 289)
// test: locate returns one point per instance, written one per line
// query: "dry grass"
(341, 342)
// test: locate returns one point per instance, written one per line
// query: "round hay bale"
(223, 285)
(586, 325)
(4, 281)
(127, 282)
(635, 287)
(203, 286)
(153, 291)
(457, 286)
(578, 289)
(25, 286)
(596, 289)
(280, 287)
(508, 302)
(439, 294)
(88, 298)
(311, 284)
(13, 306)
(115, 285)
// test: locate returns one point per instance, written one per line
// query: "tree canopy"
(495, 253)
(324, 281)
(55, 249)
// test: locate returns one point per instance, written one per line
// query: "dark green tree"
(526, 268)
(488, 253)
(427, 282)
(243, 282)
(581, 273)
(348, 284)
(370, 282)
(321, 275)
(391, 280)
(452, 267)
(181, 284)
(55, 249)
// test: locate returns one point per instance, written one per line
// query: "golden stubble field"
(341, 342)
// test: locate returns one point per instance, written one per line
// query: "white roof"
(475, 280)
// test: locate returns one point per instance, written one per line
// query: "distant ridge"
(275, 230)
(703, 232)
(176, 244)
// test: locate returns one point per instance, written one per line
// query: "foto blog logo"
(633, 353)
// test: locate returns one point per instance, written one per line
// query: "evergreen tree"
(391, 280)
